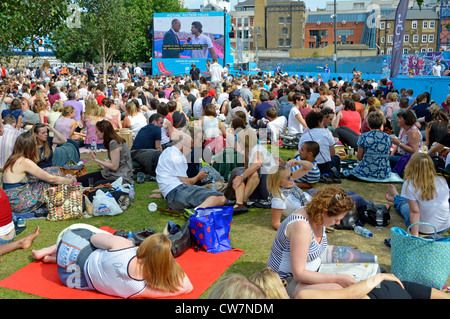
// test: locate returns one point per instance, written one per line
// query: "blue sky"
(195, 4)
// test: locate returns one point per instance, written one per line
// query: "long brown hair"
(159, 268)
(25, 146)
(36, 127)
(109, 134)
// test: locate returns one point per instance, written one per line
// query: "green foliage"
(25, 22)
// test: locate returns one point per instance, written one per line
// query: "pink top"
(352, 120)
(90, 133)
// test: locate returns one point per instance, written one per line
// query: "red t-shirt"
(5, 209)
(352, 120)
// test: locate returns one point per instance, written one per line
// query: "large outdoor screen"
(191, 35)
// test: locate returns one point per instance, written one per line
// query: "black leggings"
(97, 176)
(392, 290)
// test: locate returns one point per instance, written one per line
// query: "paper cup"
(152, 207)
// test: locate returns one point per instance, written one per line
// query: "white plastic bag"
(117, 183)
(118, 186)
(105, 204)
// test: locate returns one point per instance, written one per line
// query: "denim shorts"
(188, 196)
(6, 241)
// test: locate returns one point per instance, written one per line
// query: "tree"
(105, 30)
(24, 23)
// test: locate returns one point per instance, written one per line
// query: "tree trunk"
(104, 59)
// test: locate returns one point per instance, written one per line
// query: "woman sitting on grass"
(119, 162)
(24, 181)
(424, 198)
(112, 265)
(301, 239)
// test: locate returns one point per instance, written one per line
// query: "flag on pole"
(399, 32)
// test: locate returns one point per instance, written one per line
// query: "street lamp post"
(335, 39)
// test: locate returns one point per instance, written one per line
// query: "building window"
(424, 38)
(431, 38)
(284, 31)
(432, 25)
(388, 25)
(281, 20)
(389, 51)
(405, 51)
(425, 25)
(246, 20)
(406, 38)
(288, 43)
(423, 50)
(381, 52)
(382, 39)
(430, 49)
(390, 38)
(312, 45)
(415, 38)
(280, 43)
(414, 25)
(288, 20)
(382, 25)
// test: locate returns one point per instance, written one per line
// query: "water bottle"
(379, 219)
(363, 231)
(213, 185)
(130, 238)
(131, 194)
(94, 145)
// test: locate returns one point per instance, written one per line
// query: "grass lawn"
(251, 232)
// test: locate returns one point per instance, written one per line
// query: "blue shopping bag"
(211, 228)
(422, 260)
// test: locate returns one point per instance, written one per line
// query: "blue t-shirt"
(260, 110)
(15, 113)
(146, 137)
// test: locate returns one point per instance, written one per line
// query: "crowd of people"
(182, 124)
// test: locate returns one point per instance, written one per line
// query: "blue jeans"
(401, 205)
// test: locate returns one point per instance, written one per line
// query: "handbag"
(180, 237)
(401, 164)
(73, 169)
(368, 214)
(350, 220)
(211, 228)
(421, 260)
(64, 202)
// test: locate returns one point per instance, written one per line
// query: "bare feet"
(392, 192)
(156, 195)
(25, 242)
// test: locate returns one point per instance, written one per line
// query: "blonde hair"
(57, 106)
(159, 268)
(99, 111)
(270, 283)
(67, 110)
(392, 96)
(131, 108)
(235, 286)
(91, 105)
(332, 201)
(38, 106)
(421, 173)
(274, 181)
(41, 97)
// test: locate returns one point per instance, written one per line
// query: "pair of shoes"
(230, 202)
(336, 179)
(19, 224)
(325, 178)
(150, 178)
(140, 178)
(387, 242)
(239, 209)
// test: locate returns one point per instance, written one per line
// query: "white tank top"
(211, 127)
(107, 272)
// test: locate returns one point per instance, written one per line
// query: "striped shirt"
(312, 176)
(7, 141)
(280, 254)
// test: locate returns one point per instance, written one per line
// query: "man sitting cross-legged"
(176, 187)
